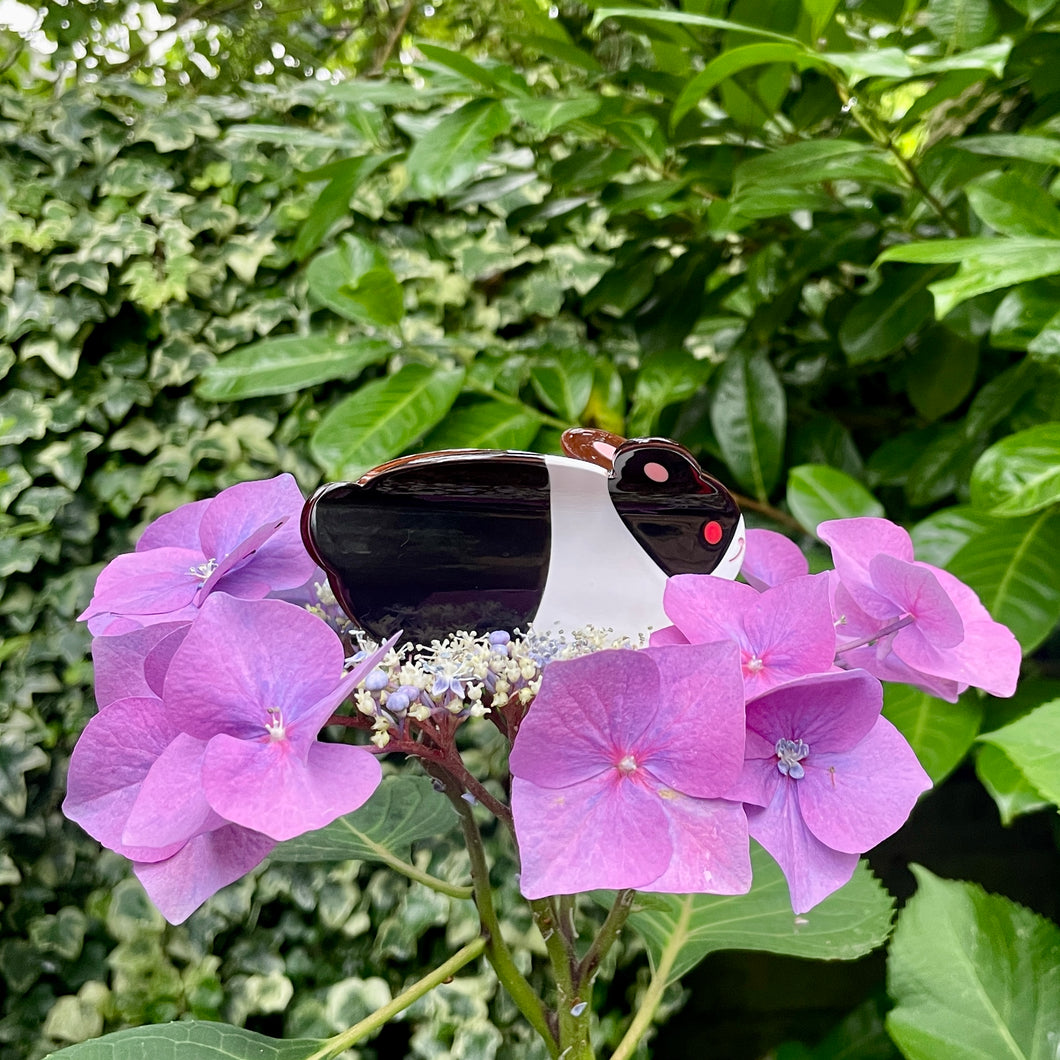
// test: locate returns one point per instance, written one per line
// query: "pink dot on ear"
(604, 449)
(712, 532)
(656, 472)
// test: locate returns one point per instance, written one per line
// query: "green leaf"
(749, 415)
(547, 115)
(1020, 474)
(733, 62)
(1011, 791)
(685, 18)
(287, 364)
(985, 265)
(848, 924)
(942, 373)
(1045, 149)
(939, 732)
(1013, 205)
(383, 418)
(814, 161)
(190, 1040)
(665, 377)
(1032, 743)
(1013, 569)
(881, 321)
(940, 536)
(402, 811)
(961, 24)
(564, 382)
(486, 425)
(459, 64)
(817, 492)
(355, 281)
(448, 156)
(972, 976)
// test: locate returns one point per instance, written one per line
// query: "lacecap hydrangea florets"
(220, 658)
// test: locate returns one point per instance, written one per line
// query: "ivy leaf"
(1032, 743)
(847, 924)
(940, 733)
(1020, 474)
(287, 364)
(190, 1038)
(403, 810)
(450, 153)
(817, 492)
(1012, 567)
(749, 415)
(355, 281)
(972, 975)
(383, 418)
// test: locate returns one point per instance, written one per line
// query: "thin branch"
(392, 41)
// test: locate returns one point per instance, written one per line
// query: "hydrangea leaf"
(848, 924)
(204, 1041)
(972, 975)
(1013, 794)
(1021, 473)
(403, 810)
(939, 732)
(1032, 743)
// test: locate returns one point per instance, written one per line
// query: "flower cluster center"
(790, 754)
(203, 571)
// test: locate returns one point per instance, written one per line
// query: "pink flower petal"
(660, 638)
(771, 559)
(134, 664)
(589, 713)
(262, 785)
(604, 832)
(145, 583)
(854, 800)
(855, 543)
(176, 529)
(257, 587)
(916, 591)
(108, 765)
(170, 807)
(205, 864)
(235, 513)
(697, 743)
(813, 870)
(711, 852)
(830, 712)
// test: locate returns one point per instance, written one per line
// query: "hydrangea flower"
(782, 633)
(771, 559)
(196, 783)
(618, 769)
(245, 541)
(905, 620)
(826, 778)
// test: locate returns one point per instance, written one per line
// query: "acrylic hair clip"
(472, 539)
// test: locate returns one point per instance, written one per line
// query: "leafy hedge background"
(817, 242)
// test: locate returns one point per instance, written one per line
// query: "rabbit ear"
(592, 445)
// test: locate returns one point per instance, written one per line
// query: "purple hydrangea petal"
(830, 712)
(254, 586)
(916, 591)
(243, 657)
(696, 745)
(589, 712)
(108, 765)
(235, 513)
(667, 635)
(176, 529)
(262, 785)
(855, 543)
(157, 582)
(771, 559)
(711, 852)
(708, 609)
(170, 807)
(760, 777)
(813, 870)
(134, 664)
(205, 864)
(603, 832)
(883, 664)
(855, 799)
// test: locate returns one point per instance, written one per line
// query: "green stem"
(606, 937)
(465, 955)
(453, 890)
(660, 975)
(549, 920)
(497, 952)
